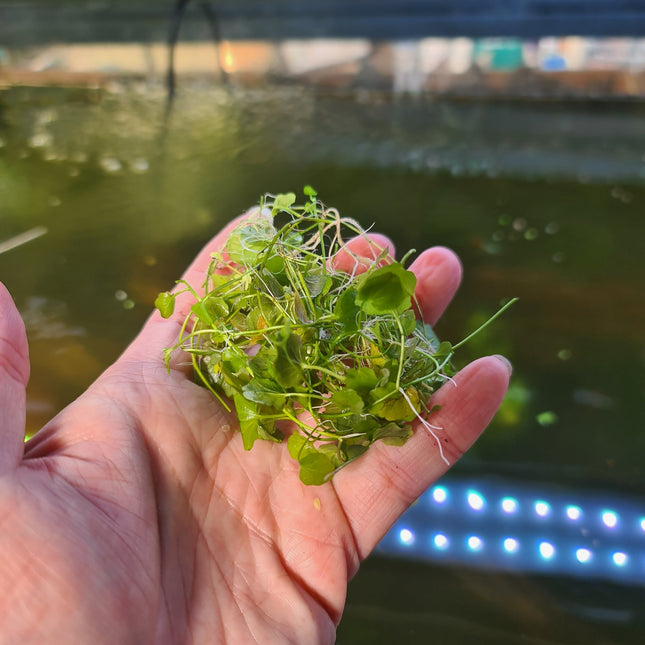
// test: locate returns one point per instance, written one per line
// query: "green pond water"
(543, 201)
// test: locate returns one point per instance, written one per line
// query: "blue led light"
(527, 528)
(476, 501)
(439, 494)
(609, 519)
(510, 505)
(511, 545)
(542, 509)
(547, 550)
(441, 541)
(406, 536)
(583, 555)
(620, 558)
(475, 543)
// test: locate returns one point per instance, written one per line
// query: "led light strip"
(526, 528)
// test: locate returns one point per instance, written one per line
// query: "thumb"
(14, 374)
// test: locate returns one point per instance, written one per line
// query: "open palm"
(135, 515)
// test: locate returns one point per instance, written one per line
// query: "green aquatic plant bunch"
(335, 358)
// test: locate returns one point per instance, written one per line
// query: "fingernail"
(506, 362)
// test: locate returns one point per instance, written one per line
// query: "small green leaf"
(165, 303)
(248, 241)
(247, 414)
(345, 401)
(266, 392)
(310, 192)
(395, 407)
(268, 431)
(393, 434)
(263, 363)
(346, 310)
(274, 264)
(429, 333)
(268, 283)
(234, 361)
(287, 363)
(292, 344)
(284, 201)
(365, 424)
(264, 312)
(383, 379)
(353, 451)
(386, 290)
(362, 379)
(298, 446)
(291, 239)
(315, 279)
(202, 313)
(341, 424)
(216, 307)
(445, 349)
(316, 468)
(239, 321)
(408, 322)
(299, 310)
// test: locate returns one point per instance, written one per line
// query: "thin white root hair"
(448, 378)
(429, 427)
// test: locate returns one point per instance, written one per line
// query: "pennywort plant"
(337, 358)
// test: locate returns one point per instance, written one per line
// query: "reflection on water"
(45, 319)
(543, 202)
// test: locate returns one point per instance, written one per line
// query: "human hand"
(135, 515)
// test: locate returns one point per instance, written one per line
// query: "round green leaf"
(165, 303)
(316, 468)
(386, 290)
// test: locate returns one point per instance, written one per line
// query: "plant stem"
(488, 322)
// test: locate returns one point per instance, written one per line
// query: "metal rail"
(38, 22)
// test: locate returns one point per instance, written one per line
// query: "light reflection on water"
(555, 220)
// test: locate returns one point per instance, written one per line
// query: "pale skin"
(135, 515)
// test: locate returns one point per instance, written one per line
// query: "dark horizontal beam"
(27, 22)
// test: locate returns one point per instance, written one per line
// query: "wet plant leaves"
(298, 446)
(397, 408)
(281, 331)
(165, 303)
(345, 402)
(346, 309)
(247, 414)
(393, 434)
(287, 364)
(283, 201)
(361, 379)
(265, 391)
(200, 310)
(316, 468)
(386, 290)
(246, 244)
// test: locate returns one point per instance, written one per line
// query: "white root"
(428, 426)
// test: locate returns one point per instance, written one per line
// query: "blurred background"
(510, 131)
